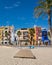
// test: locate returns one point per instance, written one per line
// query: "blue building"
(45, 38)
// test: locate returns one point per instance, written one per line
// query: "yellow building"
(1, 34)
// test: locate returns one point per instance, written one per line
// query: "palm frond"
(19, 33)
(38, 14)
(31, 31)
(51, 4)
(48, 1)
(43, 7)
(42, 3)
(38, 7)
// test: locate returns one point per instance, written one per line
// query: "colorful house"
(37, 34)
(45, 38)
(6, 33)
(1, 34)
(24, 36)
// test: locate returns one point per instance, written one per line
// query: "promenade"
(43, 56)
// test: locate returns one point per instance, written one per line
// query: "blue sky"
(20, 14)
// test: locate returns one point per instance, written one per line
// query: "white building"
(24, 36)
(8, 35)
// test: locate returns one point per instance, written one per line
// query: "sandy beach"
(43, 56)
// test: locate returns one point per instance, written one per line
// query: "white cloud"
(6, 7)
(16, 5)
(13, 6)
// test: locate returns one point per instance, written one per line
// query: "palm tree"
(45, 7)
(31, 32)
(19, 33)
(9, 37)
(6, 34)
(49, 35)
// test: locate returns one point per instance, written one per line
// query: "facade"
(37, 35)
(24, 35)
(45, 38)
(11, 34)
(1, 34)
(49, 35)
(6, 34)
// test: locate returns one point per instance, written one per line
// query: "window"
(44, 33)
(5, 31)
(5, 42)
(6, 28)
(25, 33)
(2, 42)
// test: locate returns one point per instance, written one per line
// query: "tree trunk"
(50, 24)
(31, 40)
(51, 35)
(19, 42)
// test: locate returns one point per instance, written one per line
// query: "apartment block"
(24, 35)
(1, 34)
(6, 34)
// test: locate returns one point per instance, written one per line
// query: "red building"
(37, 34)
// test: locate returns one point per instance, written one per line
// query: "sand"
(43, 56)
